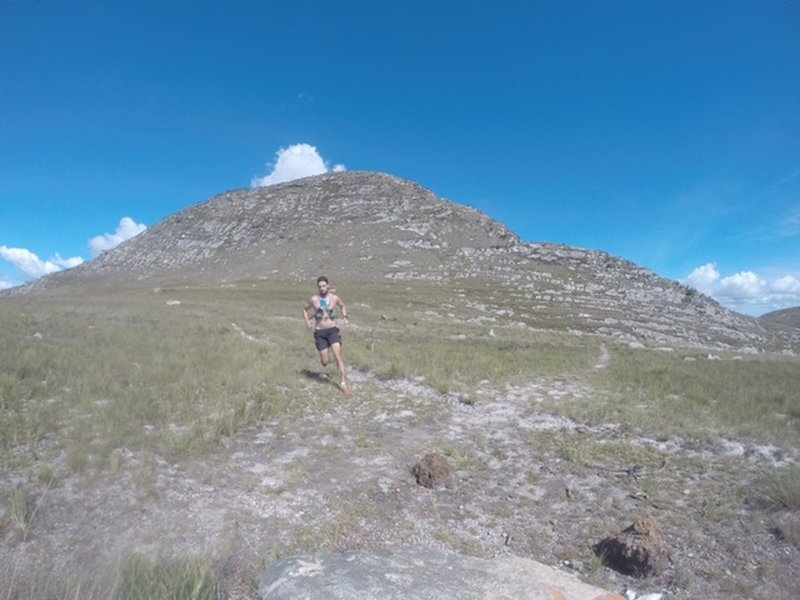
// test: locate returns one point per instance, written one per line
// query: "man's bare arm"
(308, 305)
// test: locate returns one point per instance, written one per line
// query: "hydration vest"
(324, 307)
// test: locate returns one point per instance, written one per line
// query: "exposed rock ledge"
(420, 573)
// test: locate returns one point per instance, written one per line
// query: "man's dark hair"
(322, 279)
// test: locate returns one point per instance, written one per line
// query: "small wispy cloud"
(746, 291)
(790, 224)
(127, 229)
(295, 162)
(782, 196)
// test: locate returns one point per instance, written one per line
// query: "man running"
(326, 333)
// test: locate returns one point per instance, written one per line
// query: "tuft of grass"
(597, 558)
(574, 451)
(461, 458)
(778, 490)
(188, 579)
(21, 509)
(134, 578)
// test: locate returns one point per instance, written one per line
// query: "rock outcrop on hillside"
(371, 227)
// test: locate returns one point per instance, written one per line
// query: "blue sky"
(663, 132)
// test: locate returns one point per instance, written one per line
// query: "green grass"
(135, 376)
(135, 373)
(755, 397)
(778, 489)
(21, 509)
(455, 353)
(83, 382)
(134, 578)
(140, 579)
(449, 363)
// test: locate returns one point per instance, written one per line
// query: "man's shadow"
(320, 377)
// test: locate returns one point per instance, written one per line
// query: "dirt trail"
(603, 360)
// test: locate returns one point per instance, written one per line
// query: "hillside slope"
(375, 228)
(785, 324)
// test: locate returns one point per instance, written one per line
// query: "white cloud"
(127, 229)
(786, 285)
(34, 267)
(27, 262)
(703, 278)
(294, 162)
(67, 263)
(746, 291)
(742, 286)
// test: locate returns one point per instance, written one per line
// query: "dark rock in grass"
(420, 573)
(638, 550)
(432, 471)
(787, 528)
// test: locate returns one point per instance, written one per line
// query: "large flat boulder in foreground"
(420, 573)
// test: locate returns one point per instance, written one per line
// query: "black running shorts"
(325, 338)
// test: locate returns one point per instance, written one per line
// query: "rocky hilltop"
(371, 228)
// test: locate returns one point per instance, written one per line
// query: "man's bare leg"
(337, 354)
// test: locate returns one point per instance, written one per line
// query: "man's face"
(323, 288)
